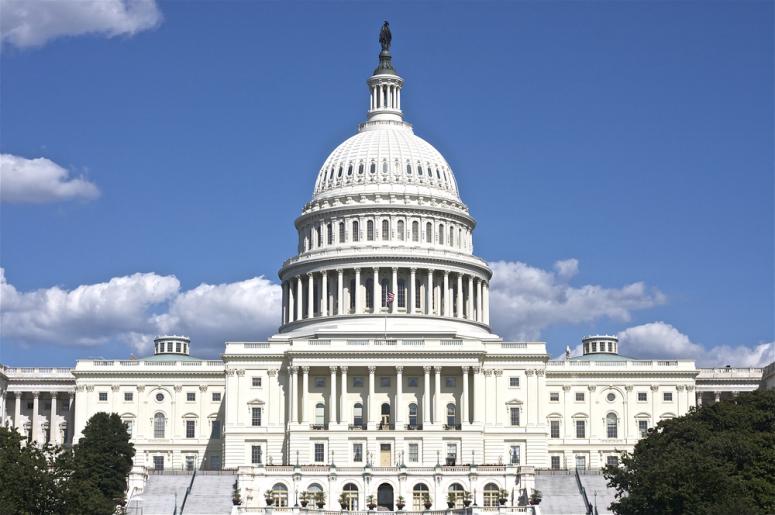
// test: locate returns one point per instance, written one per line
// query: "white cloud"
(525, 299)
(40, 180)
(31, 23)
(662, 340)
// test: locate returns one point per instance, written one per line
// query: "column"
(470, 299)
(689, 397)
(292, 384)
(478, 399)
(52, 424)
(426, 395)
(437, 418)
(310, 295)
(371, 418)
(488, 387)
(459, 310)
(324, 294)
(299, 299)
(377, 291)
(70, 420)
(498, 396)
(291, 307)
(34, 428)
(339, 291)
(486, 303)
(332, 419)
(399, 406)
(464, 398)
(478, 300)
(627, 404)
(680, 407)
(304, 391)
(357, 290)
(271, 409)
(343, 393)
(284, 319)
(445, 300)
(17, 411)
(412, 289)
(429, 294)
(394, 306)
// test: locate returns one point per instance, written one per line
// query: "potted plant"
(467, 498)
(535, 497)
(370, 502)
(428, 503)
(304, 499)
(343, 501)
(451, 499)
(236, 498)
(268, 497)
(400, 504)
(320, 499)
(503, 496)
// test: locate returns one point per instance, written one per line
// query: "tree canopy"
(716, 459)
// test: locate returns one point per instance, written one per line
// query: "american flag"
(390, 297)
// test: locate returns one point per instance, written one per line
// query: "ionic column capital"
(203, 388)
(629, 387)
(333, 369)
(498, 372)
(292, 370)
(680, 387)
(487, 371)
(529, 372)
(399, 369)
(372, 369)
(305, 370)
(344, 369)
(115, 388)
(427, 369)
(465, 369)
(566, 388)
(19, 394)
(272, 372)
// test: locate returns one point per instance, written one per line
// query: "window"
(514, 382)
(103, 396)
(514, 416)
(555, 462)
(320, 414)
(451, 236)
(158, 462)
(256, 455)
(411, 382)
(256, 381)
(491, 494)
(385, 288)
(643, 396)
(401, 293)
(158, 425)
(255, 417)
(441, 234)
(215, 429)
(414, 453)
(579, 396)
(385, 230)
(190, 428)
(369, 293)
(456, 492)
(329, 234)
(128, 396)
(611, 397)
(417, 294)
(129, 424)
(320, 382)
(384, 411)
(169, 346)
(341, 232)
(612, 461)
(400, 230)
(581, 462)
(415, 231)
(428, 233)
(451, 415)
(667, 396)
(280, 495)
(190, 396)
(358, 415)
(384, 382)
(357, 381)
(611, 424)
(358, 452)
(320, 451)
(350, 492)
(413, 415)
(554, 396)
(451, 382)
(643, 427)
(370, 230)
(420, 495)
(177, 347)
(554, 428)
(581, 429)
(514, 454)
(451, 453)
(356, 231)
(159, 397)
(30, 405)
(216, 396)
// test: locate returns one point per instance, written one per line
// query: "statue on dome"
(385, 37)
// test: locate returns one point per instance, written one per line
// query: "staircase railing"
(583, 493)
(188, 491)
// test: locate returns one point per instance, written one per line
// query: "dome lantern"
(385, 84)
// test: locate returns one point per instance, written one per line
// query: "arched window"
(385, 289)
(401, 293)
(341, 232)
(419, 169)
(320, 414)
(360, 169)
(329, 234)
(373, 168)
(384, 167)
(415, 231)
(159, 423)
(369, 293)
(420, 494)
(350, 493)
(280, 495)
(400, 230)
(441, 234)
(459, 238)
(356, 232)
(451, 415)
(491, 492)
(408, 169)
(319, 236)
(413, 415)
(384, 411)
(612, 425)
(456, 492)
(451, 236)
(370, 230)
(350, 170)
(340, 172)
(314, 489)
(358, 414)
(428, 233)
(385, 230)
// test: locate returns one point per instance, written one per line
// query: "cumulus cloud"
(40, 180)
(132, 309)
(26, 23)
(524, 299)
(662, 340)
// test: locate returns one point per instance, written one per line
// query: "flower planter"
(320, 505)
(466, 503)
(372, 506)
(304, 504)
(450, 505)
(502, 501)
(428, 505)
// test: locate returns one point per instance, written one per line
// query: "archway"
(385, 496)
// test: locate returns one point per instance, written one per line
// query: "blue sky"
(618, 157)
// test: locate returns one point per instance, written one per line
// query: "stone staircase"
(605, 495)
(561, 495)
(210, 494)
(159, 494)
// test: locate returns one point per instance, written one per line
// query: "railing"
(256, 345)
(453, 427)
(413, 427)
(357, 427)
(583, 492)
(413, 342)
(319, 342)
(357, 342)
(385, 342)
(451, 342)
(188, 491)
(319, 427)
(513, 345)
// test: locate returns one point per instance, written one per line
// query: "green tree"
(716, 460)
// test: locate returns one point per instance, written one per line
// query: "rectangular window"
(643, 427)
(451, 382)
(667, 396)
(414, 453)
(255, 418)
(320, 453)
(103, 396)
(215, 429)
(514, 412)
(412, 382)
(190, 463)
(256, 455)
(554, 396)
(451, 453)
(514, 382)
(190, 396)
(643, 396)
(256, 381)
(128, 396)
(579, 396)
(358, 452)
(320, 382)
(357, 382)
(216, 396)
(514, 455)
(129, 426)
(612, 461)
(554, 428)
(384, 382)
(581, 462)
(158, 462)
(190, 427)
(581, 429)
(177, 347)
(30, 404)
(555, 463)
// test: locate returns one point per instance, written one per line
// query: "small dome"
(386, 157)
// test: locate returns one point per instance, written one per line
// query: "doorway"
(385, 455)
(385, 496)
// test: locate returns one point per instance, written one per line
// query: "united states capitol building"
(384, 378)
